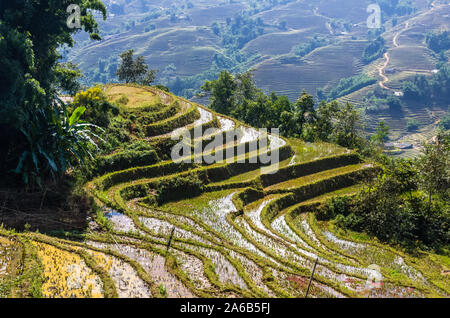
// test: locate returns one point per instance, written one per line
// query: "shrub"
(349, 85)
(438, 42)
(394, 103)
(98, 110)
(374, 50)
(305, 48)
(180, 187)
(413, 125)
(445, 122)
(334, 207)
(395, 209)
(53, 142)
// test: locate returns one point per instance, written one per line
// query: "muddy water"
(154, 265)
(126, 279)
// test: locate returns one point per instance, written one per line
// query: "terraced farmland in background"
(408, 56)
(290, 75)
(242, 233)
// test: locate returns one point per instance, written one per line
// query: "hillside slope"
(234, 230)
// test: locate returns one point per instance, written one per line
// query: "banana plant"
(56, 141)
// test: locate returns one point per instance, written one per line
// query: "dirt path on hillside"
(395, 39)
(381, 70)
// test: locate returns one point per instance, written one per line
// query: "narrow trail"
(381, 70)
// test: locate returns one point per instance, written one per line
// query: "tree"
(222, 93)
(411, 91)
(149, 78)
(326, 113)
(246, 88)
(216, 29)
(67, 75)
(305, 107)
(381, 135)
(135, 70)
(434, 168)
(394, 103)
(439, 42)
(31, 79)
(288, 124)
(412, 125)
(348, 127)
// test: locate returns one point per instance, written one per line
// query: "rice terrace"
(318, 204)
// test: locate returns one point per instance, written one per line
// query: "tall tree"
(31, 33)
(38, 29)
(348, 127)
(434, 168)
(326, 113)
(222, 93)
(305, 108)
(381, 135)
(133, 70)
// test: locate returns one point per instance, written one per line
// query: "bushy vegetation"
(68, 77)
(305, 48)
(423, 88)
(39, 137)
(240, 30)
(98, 110)
(133, 70)
(412, 125)
(380, 100)
(406, 204)
(374, 50)
(438, 42)
(445, 121)
(117, 125)
(331, 122)
(346, 86)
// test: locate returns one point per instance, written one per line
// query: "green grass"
(131, 97)
(295, 183)
(197, 203)
(305, 151)
(250, 175)
(338, 193)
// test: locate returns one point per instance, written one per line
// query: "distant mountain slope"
(178, 37)
(192, 41)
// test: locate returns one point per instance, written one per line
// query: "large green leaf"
(76, 115)
(21, 162)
